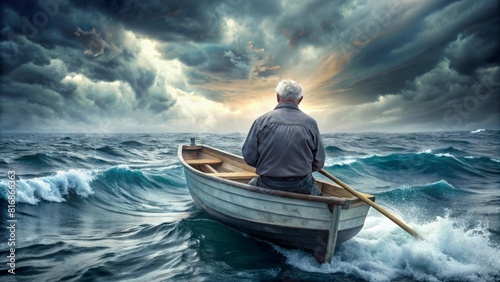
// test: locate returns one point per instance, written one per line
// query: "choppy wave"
(339, 151)
(478, 131)
(451, 150)
(38, 159)
(451, 251)
(448, 162)
(432, 196)
(118, 180)
(169, 254)
(102, 203)
(52, 188)
(109, 150)
(345, 160)
(132, 143)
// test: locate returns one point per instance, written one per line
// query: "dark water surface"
(116, 207)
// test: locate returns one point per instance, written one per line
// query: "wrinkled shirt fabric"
(284, 142)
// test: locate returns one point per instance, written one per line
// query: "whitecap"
(348, 160)
(447, 155)
(173, 166)
(345, 160)
(478, 130)
(451, 250)
(440, 182)
(53, 188)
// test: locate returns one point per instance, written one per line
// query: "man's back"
(284, 142)
(284, 145)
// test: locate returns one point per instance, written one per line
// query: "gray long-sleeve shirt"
(284, 142)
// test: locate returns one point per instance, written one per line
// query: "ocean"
(115, 207)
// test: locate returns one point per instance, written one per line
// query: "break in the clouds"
(212, 66)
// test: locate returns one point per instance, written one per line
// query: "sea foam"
(451, 250)
(345, 160)
(52, 188)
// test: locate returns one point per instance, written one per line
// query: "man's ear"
(278, 97)
(300, 100)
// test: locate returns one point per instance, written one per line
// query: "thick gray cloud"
(93, 42)
(168, 20)
(83, 62)
(386, 65)
(33, 70)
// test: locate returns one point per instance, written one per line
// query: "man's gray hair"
(289, 89)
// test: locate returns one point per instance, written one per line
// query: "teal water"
(116, 207)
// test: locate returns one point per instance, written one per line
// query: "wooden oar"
(371, 203)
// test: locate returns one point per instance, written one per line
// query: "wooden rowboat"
(217, 182)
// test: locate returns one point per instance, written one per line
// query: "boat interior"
(232, 167)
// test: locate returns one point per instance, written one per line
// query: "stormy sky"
(212, 66)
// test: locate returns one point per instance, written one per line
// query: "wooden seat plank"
(235, 175)
(204, 161)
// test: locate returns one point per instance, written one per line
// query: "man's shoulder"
(278, 115)
(266, 115)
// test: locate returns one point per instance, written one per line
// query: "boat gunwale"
(330, 200)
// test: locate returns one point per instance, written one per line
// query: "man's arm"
(318, 152)
(250, 148)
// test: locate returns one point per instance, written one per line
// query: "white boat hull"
(287, 219)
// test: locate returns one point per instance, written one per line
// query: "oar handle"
(371, 203)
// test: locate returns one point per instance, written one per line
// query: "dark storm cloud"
(82, 61)
(477, 47)
(316, 27)
(389, 62)
(192, 29)
(93, 42)
(40, 48)
(210, 58)
(431, 103)
(164, 20)
(188, 53)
